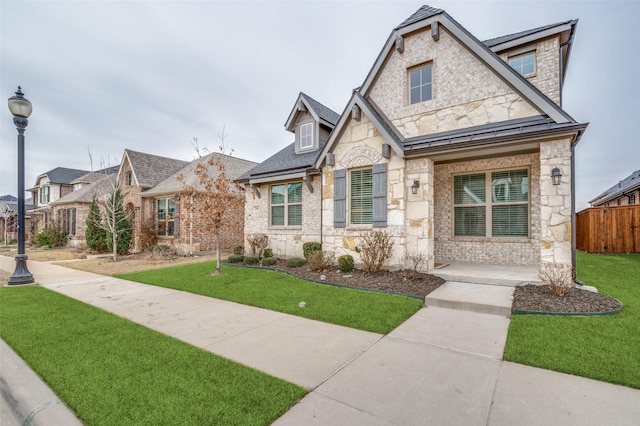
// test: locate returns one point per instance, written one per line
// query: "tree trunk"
(218, 260)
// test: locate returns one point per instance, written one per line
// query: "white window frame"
(519, 67)
(421, 84)
(45, 194)
(306, 139)
(285, 204)
(168, 219)
(350, 196)
(489, 203)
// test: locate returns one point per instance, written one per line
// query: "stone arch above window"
(360, 156)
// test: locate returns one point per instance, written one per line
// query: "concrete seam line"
(475, 354)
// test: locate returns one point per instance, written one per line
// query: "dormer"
(538, 54)
(311, 122)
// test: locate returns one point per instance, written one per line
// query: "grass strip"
(363, 310)
(111, 371)
(604, 348)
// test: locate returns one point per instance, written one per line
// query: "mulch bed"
(537, 298)
(540, 298)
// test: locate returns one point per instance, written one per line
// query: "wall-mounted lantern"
(555, 176)
(415, 186)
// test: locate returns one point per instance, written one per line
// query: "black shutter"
(380, 195)
(340, 198)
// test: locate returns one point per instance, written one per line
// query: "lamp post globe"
(21, 109)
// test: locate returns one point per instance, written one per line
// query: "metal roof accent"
(505, 131)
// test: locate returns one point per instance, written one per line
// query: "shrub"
(236, 258)
(557, 277)
(51, 237)
(238, 250)
(375, 250)
(162, 251)
(309, 247)
(269, 261)
(345, 263)
(295, 262)
(251, 260)
(320, 260)
(415, 262)
(257, 242)
(267, 253)
(148, 236)
(95, 235)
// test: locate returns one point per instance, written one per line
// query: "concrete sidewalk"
(442, 366)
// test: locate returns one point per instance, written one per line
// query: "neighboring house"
(185, 227)
(49, 187)
(448, 145)
(625, 192)
(72, 210)
(139, 172)
(9, 217)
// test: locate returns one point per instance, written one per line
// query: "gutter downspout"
(573, 216)
(561, 74)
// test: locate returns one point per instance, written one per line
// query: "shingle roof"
(626, 185)
(8, 198)
(325, 113)
(63, 175)
(234, 167)
(98, 188)
(423, 13)
(152, 169)
(509, 37)
(284, 161)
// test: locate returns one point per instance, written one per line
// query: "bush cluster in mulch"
(403, 282)
(538, 298)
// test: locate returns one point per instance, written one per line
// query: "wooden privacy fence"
(609, 229)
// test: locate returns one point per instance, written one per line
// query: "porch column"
(555, 203)
(419, 220)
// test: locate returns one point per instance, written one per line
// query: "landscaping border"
(569, 314)
(412, 296)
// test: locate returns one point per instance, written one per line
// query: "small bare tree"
(415, 262)
(216, 194)
(558, 277)
(375, 250)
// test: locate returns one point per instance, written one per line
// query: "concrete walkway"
(442, 366)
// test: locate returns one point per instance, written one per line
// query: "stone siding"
(285, 241)
(547, 74)
(555, 215)
(465, 91)
(360, 145)
(503, 251)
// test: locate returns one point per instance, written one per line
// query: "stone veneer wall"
(465, 91)
(285, 241)
(499, 251)
(360, 145)
(555, 211)
(547, 75)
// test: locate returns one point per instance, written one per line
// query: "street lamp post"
(21, 109)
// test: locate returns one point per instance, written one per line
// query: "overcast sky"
(150, 76)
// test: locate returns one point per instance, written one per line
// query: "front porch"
(505, 275)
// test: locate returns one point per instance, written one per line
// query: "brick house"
(626, 192)
(186, 228)
(449, 145)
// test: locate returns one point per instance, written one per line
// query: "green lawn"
(605, 348)
(110, 371)
(364, 310)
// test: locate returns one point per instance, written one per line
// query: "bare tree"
(214, 192)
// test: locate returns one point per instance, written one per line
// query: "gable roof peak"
(424, 12)
(320, 112)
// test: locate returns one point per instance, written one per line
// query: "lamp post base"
(21, 275)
